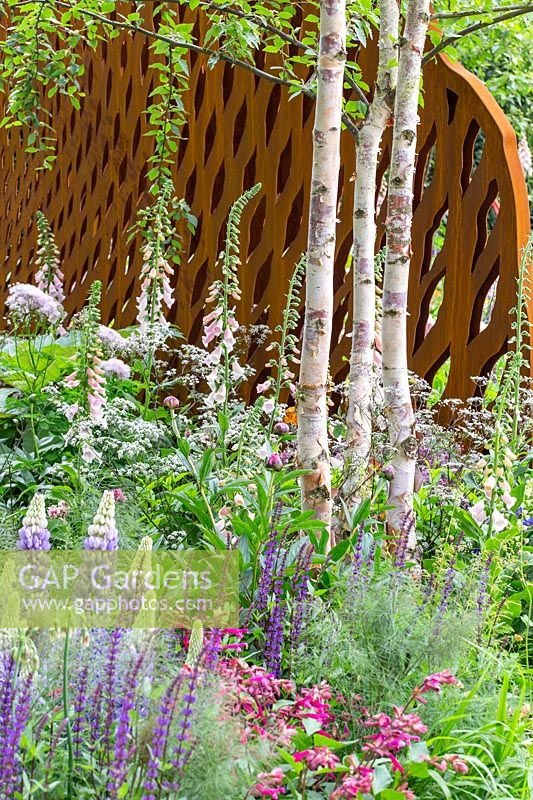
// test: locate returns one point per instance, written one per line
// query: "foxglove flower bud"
(274, 461)
(171, 402)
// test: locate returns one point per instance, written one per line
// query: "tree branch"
(476, 12)
(194, 48)
(448, 40)
(286, 37)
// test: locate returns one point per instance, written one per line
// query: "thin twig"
(476, 12)
(195, 48)
(448, 40)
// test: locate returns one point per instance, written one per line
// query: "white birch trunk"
(313, 450)
(398, 405)
(360, 399)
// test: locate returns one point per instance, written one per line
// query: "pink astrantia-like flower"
(110, 338)
(25, 300)
(60, 510)
(116, 368)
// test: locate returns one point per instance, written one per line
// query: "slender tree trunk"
(398, 405)
(313, 451)
(359, 418)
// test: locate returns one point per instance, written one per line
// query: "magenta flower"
(274, 461)
(317, 758)
(434, 683)
(355, 785)
(269, 784)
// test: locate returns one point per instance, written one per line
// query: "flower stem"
(66, 712)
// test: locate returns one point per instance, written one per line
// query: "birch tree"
(313, 450)
(359, 417)
(398, 405)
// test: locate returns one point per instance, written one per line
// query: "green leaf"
(418, 751)
(382, 778)
(312, 726)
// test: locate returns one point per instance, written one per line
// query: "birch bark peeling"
(398, 405)
(360, 398)
(313, 450)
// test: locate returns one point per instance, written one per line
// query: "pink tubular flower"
(156, 290)
(394, 734)
(269, 784)
(355, 785)
(449, 760)
(214, 357)
(317, 758)
(407, 793)
(72, 380)
(434, 683)
(211, 332)
(262, 387)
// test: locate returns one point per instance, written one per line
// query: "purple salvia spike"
(110, 687)
(80, 704)
(123, 752)
(160, 736)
